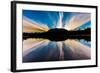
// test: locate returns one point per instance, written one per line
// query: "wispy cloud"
(32, 26)
(77, 21)
(59, 24)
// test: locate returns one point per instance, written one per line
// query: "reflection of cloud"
(78, 50)
(77, 21)
(33, 27)
(31, 44)
(60, 48)
(45, 50)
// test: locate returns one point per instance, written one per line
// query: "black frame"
(13, 34)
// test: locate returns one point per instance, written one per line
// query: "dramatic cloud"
(59, 24)
(29, 26)
(77, 21)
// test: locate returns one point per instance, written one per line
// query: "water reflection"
(39, 50)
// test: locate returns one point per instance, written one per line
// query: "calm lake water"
(40, 50)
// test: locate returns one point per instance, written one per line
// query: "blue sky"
(86, 25)
(50, 18)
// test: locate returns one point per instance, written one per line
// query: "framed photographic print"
(47, 36)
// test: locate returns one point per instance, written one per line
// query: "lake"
(41, 50)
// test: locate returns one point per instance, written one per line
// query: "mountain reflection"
(38, 50)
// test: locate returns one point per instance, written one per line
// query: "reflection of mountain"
(38, 50)
(59, 34)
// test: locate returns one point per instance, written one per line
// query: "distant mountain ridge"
(58, 34)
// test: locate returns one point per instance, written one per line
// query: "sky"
(52, 19)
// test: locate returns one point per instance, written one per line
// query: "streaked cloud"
(59, 24)
(77, 20)
(29, 26)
